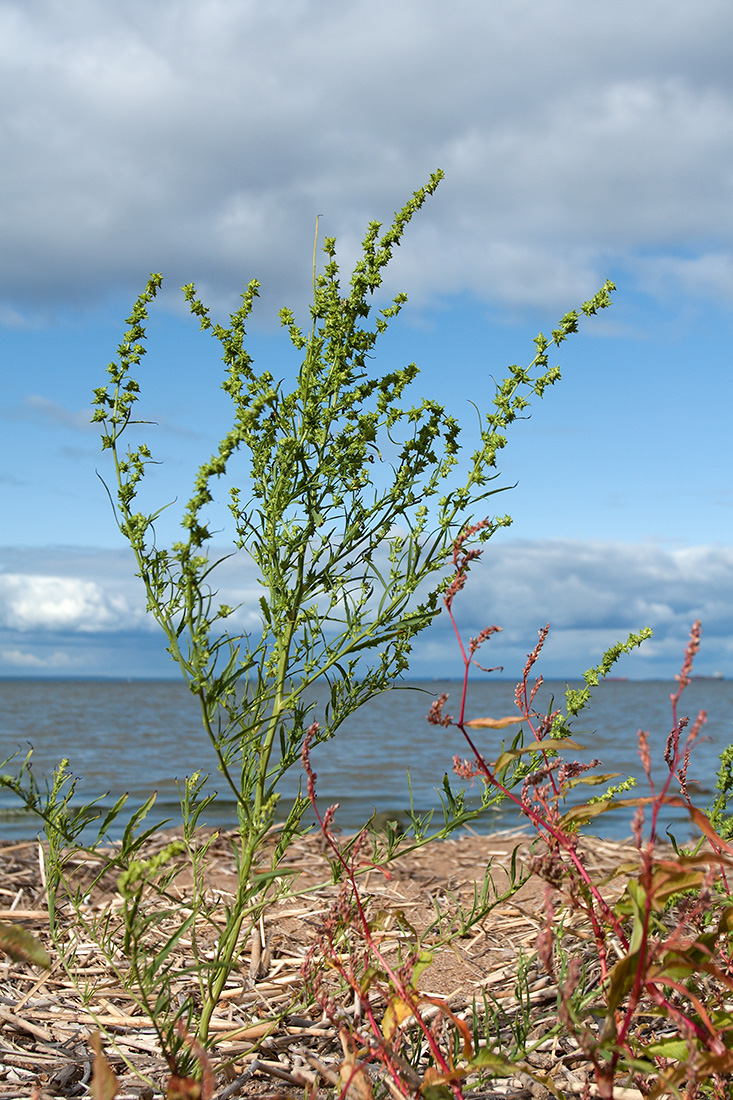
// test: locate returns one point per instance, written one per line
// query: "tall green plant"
(350, 545)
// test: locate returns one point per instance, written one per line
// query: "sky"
(202, 139)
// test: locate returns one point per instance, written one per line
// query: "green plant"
(719, 808)
(351, 506)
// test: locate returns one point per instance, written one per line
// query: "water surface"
(142, 736)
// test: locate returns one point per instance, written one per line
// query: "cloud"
(31, 602)
(88, 604)
(42, 410)
(707, 276)
(202, 137)
(575, 584)
(15, 319)
(594, 594)
(24, 661)
(73, 590)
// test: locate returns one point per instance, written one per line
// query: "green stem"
(228, 945)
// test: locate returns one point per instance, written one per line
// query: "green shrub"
(351, 552)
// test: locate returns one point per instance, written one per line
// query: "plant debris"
(266, 1038)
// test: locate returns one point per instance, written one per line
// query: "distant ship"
(715, 676)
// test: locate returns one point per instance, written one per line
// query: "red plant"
(185, 1087)
(373, 982)
(656, 966)
(662, 952)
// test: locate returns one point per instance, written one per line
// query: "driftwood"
(265, 1037)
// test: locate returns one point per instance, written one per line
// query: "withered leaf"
(21, 946)
(104, 1084)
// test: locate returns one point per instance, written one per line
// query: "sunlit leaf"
(591, 780)
(666, 884)
(423, 962)
(705, 826)
(549, 746)
(499, 1065)
(493, 723)
(673, 1048)
(577, 815)
(397, 1011)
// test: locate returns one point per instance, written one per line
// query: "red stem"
(401, 989)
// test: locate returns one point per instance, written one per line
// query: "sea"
(146, 736)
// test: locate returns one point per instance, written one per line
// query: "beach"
(265, 1037)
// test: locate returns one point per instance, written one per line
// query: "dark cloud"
(202, 138)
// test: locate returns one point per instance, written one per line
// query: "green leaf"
(21, 946)
(501, 1066)
(591, 780)
(436, 1092)
(578, 815)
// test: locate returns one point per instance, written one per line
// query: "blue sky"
(579, 142)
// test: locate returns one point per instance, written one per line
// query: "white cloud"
(576, 585)
(201, 137)
(78, 591)
(37, 408)
(709, 275)
(31, 602)
(23, 660)
(592, 594)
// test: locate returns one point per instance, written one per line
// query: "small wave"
(16, 813)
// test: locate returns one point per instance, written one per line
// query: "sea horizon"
(473, 679)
